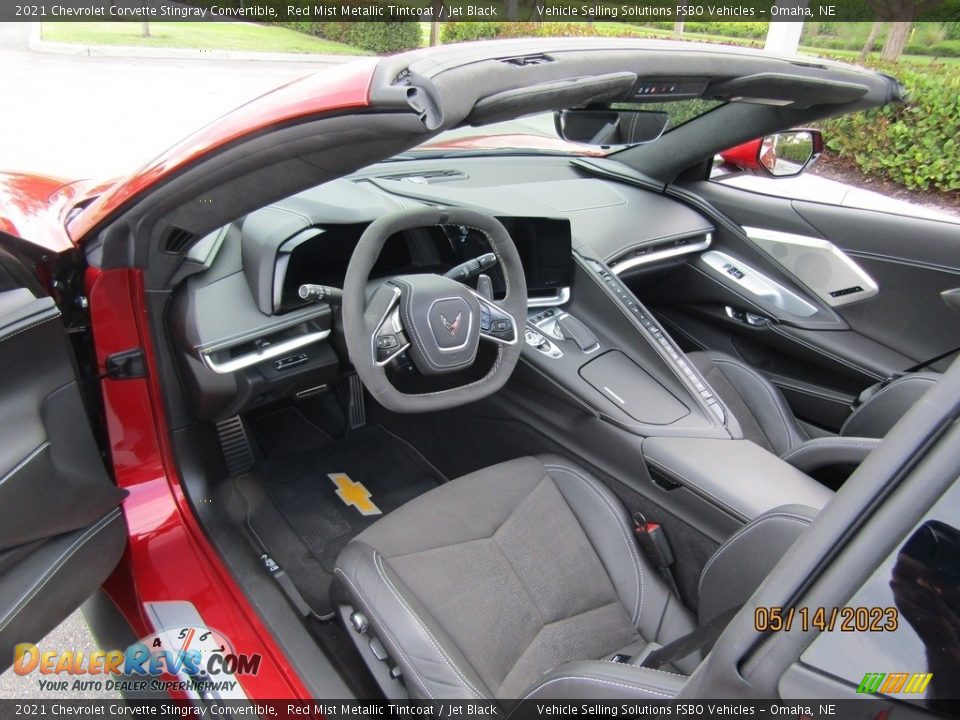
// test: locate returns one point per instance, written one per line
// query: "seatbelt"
(931, 361)
(703, 637)
(653, 542)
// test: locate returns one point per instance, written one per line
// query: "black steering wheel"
(438, 321)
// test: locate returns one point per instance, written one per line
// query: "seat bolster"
(604, 680)
(610, 531)
(431, 664)
(883, 406)
(824, 452)
(742, 563)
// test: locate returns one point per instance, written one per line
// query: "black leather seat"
(523, 580)
(766, 419)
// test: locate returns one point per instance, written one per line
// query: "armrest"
(737, 475)
(824, 452)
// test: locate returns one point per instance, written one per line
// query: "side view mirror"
(784, 154)
(610, 127)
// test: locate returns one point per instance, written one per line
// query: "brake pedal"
(235, 445)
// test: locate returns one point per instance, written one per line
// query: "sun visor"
(780, 89)
(548, 96)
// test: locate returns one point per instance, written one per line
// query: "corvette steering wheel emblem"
(451, 327)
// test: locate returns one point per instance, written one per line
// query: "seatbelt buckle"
(653, 541)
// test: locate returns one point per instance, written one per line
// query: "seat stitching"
(637, 686)
(631, 548)
(437, 646)
(28, 327)
(665, 672)
(690, 484)
(386, 631)
(763, 382)
(26, 461)
(899, 381)
(829, 443)
(790, 517)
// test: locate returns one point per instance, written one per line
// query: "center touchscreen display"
(545, 248)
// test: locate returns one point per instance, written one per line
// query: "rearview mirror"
(610, 127)
(785, 154)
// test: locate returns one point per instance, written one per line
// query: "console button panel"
(658, 336)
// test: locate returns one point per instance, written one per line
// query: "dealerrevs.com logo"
(188, 659)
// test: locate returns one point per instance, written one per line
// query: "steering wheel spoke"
(388, 339)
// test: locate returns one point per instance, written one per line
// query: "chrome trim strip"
(393, 313)
(267, 353)
(618, 267)
(616, 397)
(562, 296)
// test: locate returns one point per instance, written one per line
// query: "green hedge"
(915, 144)
(454, 32)
(380, 38)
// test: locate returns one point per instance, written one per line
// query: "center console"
(608, 350)
(667, 431)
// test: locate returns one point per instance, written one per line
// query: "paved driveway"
(79, 117)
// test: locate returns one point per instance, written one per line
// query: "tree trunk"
(512, 10)
(434, 33)
(871, 39)
(678, 29)
(896, 39)
(145, 31)
(538, 7)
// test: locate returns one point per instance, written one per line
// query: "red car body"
(163, 531)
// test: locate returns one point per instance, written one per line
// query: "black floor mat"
(299, 488)
(285, 431)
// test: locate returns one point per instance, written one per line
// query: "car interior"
(470, 424)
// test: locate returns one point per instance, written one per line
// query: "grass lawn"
(197, 35)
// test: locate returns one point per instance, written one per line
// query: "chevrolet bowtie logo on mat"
(890, 683)
(354, 494)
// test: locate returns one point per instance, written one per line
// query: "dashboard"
(248, 339)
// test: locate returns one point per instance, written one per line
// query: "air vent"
(527, 60)
(177, 240)
(428, 176)
(657, 250)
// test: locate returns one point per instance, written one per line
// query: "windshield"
(537, 134)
